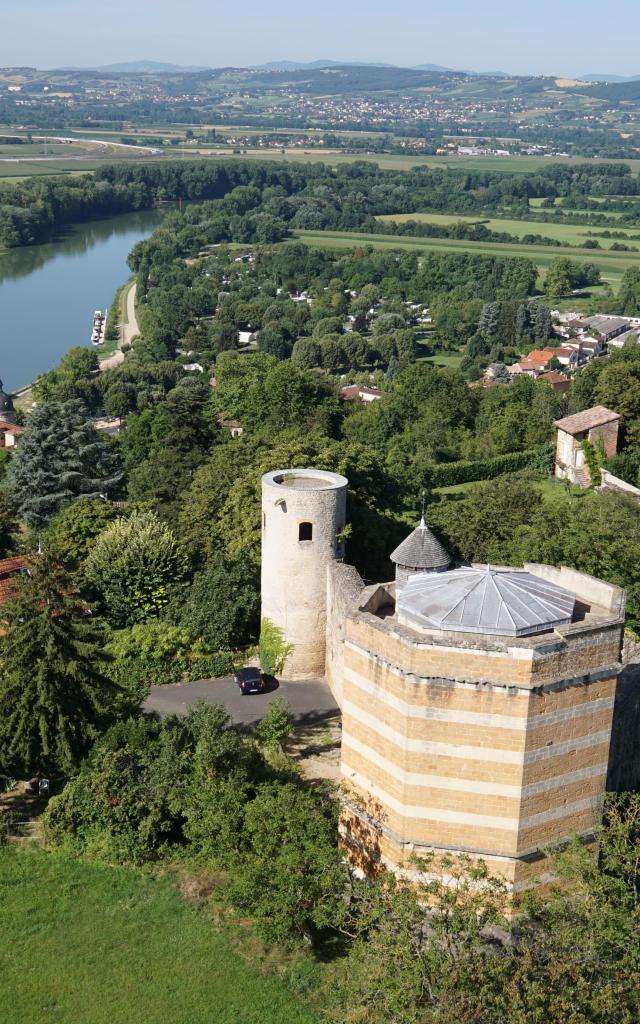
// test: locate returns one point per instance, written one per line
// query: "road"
(310, 700)
(128, 331)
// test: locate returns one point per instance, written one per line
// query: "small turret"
(420, 552)
(7, 411)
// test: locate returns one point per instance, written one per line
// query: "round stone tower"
(303, 516)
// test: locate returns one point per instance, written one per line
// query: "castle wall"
(344, 588)
(490, 746)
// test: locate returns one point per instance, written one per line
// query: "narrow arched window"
(305, 531)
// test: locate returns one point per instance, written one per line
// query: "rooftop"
(502, 602)
(586, 420)
(421, 550)
(305, 479)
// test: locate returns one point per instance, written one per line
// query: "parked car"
(250, 680)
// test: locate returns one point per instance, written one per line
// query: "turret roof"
(421, 550)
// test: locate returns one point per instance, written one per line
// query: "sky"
(562, 37)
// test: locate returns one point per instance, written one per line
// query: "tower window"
(305, 531)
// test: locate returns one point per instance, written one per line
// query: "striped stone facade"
(491, 746)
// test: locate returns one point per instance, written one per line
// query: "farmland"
(569, 234)
(612, 264)
(27, 165)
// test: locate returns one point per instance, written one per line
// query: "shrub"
(447, 474)
(272, 649)
(276, 724)
(134, 567)
(153, 653)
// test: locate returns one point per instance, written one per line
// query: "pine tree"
(393, 369)
(488, 322)
(523, 324)
(542, 327)
(61, 457)
(54, 695)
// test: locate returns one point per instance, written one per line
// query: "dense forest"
(314, 197)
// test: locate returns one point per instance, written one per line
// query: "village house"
(596, 425)
(627, 336)
(607, 327)
(9, 434)
(537, 361)
(558, 381)
(233, 426)
(359, 393)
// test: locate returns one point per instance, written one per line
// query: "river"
(48, 292)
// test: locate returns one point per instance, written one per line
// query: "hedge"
(446, 474)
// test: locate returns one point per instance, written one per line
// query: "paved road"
(310, 700)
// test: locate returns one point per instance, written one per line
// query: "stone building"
(477, 701)
(597, 425)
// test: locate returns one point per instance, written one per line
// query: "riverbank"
(48, 292)
(127, 327)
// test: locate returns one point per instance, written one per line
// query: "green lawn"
(446, 359)
(612, 264)
(83, 944)
(571, 234)
(549, 488)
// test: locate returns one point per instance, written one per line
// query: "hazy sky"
(568, 37)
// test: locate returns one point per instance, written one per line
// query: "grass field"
(450, 360)
(612, 264)
(549, 488)
(571, 234)
(390, 161)
(97, 945)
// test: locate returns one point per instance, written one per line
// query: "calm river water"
(48, 292)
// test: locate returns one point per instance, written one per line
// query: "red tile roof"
(9, 569)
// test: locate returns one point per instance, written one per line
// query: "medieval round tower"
(303, 517)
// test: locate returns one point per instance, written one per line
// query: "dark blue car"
(250, 680)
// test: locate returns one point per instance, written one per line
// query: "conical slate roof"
(504, 602)
(6, 404)
(421, 550)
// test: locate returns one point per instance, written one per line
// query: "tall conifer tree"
(61, 457)
(54, 696)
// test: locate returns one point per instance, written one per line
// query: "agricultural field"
(84, 942)
(386, 161)
(570, 234)
(612, 264)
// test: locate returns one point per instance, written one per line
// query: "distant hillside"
(144, 67)
(609, 78)
(461, 71)
(317, 65)
(348, 79)
(628, 90)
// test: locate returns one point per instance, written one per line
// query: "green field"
(83, 944)
(390, 161)
(448, 360)
(612, 264)
(571, 234)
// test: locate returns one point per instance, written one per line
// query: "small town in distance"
(319, 517)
